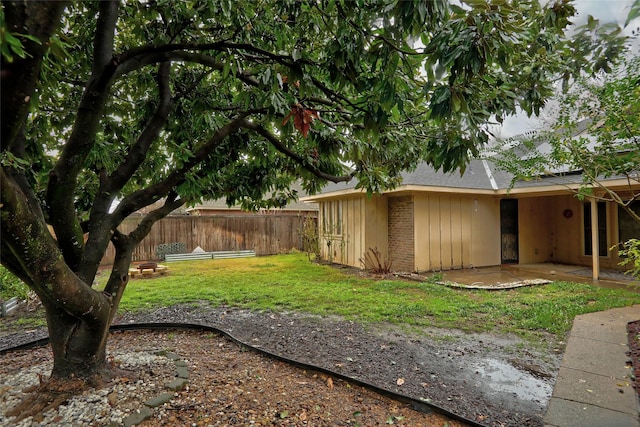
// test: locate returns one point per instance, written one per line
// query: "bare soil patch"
(493, 380)
(633, 328)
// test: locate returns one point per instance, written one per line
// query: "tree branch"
(291, 154)
(139, 61)
(217, 46)
(105, 31)
(63, 177)
(43, 268)
(99, 228)
(138, 151)
(20, 76)
(18, 174)
(145, 197)
(172, 202)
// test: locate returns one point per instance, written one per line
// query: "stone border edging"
(178, 384)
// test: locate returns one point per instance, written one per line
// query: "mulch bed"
(633, 328)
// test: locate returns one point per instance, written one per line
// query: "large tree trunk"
(79, 345)
(78, 339)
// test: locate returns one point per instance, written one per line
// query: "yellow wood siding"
(422, 230)
(455, 231)
(457, 236)
(466, 210)
(446, 241)
(485, 232)
(376, 224)
(567, 237)
(350, 244)
(435, 237)
(547, 235)
(535, 229)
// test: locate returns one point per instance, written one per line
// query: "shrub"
(374, 262)
(310, 239)
(631, 253)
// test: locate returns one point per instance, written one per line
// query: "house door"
(509, 230)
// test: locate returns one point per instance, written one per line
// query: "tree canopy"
(109, 107)
(594, 130)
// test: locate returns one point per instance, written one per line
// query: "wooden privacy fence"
(266, 234)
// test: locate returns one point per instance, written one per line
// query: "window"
(628, 228)
(602, 229)
(332, 217)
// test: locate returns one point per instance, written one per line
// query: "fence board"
(266, 234)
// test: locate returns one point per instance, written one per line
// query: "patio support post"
(595, 245)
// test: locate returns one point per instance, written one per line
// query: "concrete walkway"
(593, 387)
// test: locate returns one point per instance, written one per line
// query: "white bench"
(210, 255)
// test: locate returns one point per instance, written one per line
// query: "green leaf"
(634, 12)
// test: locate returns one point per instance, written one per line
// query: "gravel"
(92, 407)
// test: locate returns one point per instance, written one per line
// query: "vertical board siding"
(374, 225)
(349, 256)
(435, 238)
(446, 244)
(535, 231)
(443, 232)
(466, 232)
(456, 233)
(358, 223)
(266, 234)
(347, 245)
(485, 231)
(421, 232)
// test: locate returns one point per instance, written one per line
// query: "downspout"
(595, 245)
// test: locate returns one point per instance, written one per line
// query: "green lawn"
(290, 282)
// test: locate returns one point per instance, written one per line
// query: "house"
(440, 221)
(219, 207)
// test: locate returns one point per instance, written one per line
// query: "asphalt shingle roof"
(479, 175)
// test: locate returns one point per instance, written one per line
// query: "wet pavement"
(510, 273)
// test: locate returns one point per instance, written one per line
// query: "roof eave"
(536, 190)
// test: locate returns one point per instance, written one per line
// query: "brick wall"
(400, 232)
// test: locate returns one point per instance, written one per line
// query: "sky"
(605, 11)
